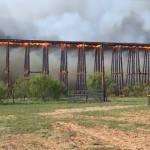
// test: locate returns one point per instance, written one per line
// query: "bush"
(44, 87)
(57, 89)
(138, 90)
(39, 86)
(95, 82)
(126, 90)
(21, 87)
(3, 92)
(111, 89)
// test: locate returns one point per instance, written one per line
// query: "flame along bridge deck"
(87, 96)
(23, 42)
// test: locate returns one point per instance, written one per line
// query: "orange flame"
(88, 46)
(65, 45)
(128, 47)
(63, 73)
(80, 73)
(40, 44)
(3, 43)
(25, 44)
(69, 45)
(80, 45)
(144, 47)
(96, 46)
(116, 46)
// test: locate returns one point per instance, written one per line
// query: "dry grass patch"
(61, 112)
(109, 137)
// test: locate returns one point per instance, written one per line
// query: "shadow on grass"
(117, 100)
(32, 102)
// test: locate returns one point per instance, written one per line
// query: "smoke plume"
(68, 20)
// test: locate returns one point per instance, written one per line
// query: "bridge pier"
(133, 75)
(45, 65)
(81, 69)
(117, 69)
(27, 61)
(99, 59)
(146, 68)
(63, 74)
(7, 69)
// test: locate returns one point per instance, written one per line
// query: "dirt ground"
(119, 139)
(71, 136)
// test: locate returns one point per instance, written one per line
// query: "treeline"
(139, 90)
(35, 87)
(95, 82)
(45, 88)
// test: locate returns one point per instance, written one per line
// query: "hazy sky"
(86, 20)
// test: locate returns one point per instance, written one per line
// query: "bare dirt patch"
(120, 140)
(29, 142)
(65, 112)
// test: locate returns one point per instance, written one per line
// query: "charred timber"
(63, 74)
(7, 69)
(26, 61)
(117, 69)
(81, 70)
(133, 75)
(45, 67)
(146, 68)
(99, 59)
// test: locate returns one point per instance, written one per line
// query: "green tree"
(127, 90)
(40, 85)
(21, 87)
(57, 89)
(136, 91)
(139, 89)
(3, 92)
(95, 82)
(44, 87)
(145, 90)
(111, 88)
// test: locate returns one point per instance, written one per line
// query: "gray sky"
(85, 20)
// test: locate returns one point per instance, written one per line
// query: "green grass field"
(24, 118)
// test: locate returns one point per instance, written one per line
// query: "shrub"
(138, 90)
(3, 92)
(21, 87)
(95, 82)
(126, 90)
(44, 87)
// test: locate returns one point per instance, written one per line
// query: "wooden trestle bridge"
(134, 74)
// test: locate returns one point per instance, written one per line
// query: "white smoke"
(79, 20)
(73, 20)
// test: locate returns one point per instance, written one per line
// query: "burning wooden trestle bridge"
(134, 74)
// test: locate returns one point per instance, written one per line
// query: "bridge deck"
(72, 43)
